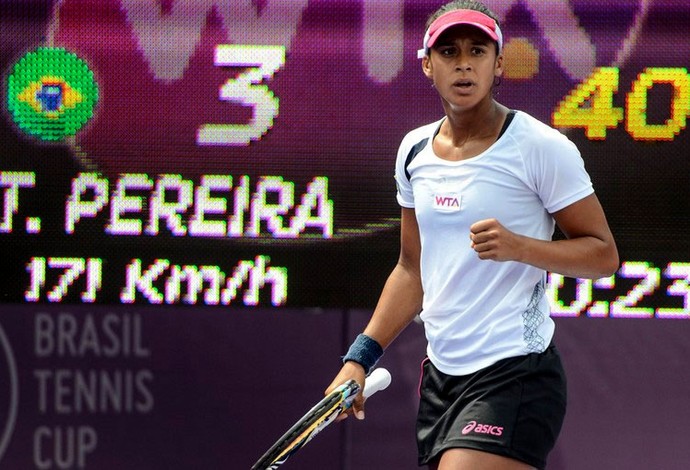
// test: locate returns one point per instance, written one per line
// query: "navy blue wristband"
(365, 351)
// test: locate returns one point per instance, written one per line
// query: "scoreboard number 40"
(590, 104)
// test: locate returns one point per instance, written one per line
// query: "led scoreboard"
(214, 152)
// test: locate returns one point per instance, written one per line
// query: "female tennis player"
(481, 190)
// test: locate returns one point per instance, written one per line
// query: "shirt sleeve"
(559, 173)
(404, 194)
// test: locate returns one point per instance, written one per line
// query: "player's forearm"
(399, 303)
(585, 257)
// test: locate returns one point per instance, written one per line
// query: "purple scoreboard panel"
(189, 188)
(220, 153)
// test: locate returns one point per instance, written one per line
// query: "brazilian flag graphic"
(51, 93)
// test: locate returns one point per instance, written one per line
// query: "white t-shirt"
(476, 312)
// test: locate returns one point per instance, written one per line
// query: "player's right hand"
(354, 371)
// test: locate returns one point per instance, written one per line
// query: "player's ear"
(426, 67)
(498, 66)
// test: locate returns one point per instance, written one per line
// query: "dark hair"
(462, 5)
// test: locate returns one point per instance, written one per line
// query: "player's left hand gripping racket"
(320, 416)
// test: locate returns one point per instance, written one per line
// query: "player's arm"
(401, 298)
(400, 301)
(589, 250)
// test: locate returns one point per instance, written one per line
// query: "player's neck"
(480, 123)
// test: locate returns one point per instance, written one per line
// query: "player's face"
(462, 65)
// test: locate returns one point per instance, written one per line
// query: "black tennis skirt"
(514, 408)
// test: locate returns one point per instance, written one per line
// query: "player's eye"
(447, 51)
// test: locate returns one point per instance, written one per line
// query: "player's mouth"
(463, 84)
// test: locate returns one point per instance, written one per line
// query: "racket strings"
(311, 423)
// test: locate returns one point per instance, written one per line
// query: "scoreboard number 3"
(261, 63)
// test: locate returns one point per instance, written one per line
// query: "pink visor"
(458, 17)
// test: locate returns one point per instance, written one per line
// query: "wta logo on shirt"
(447, 202)
(475, 428)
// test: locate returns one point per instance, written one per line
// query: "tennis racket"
(320, 416)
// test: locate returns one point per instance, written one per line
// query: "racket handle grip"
(378, 380)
